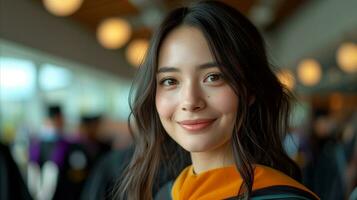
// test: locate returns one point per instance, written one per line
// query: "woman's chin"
(197, 147)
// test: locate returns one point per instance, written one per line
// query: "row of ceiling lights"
(309, 71)
(112, 33)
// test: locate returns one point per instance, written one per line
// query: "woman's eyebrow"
(174, 69)
(208, 65)
(167, 69)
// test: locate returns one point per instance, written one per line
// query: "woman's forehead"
(185, 45)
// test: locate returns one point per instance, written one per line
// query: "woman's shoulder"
(268, 184)
(272, 192)
(273, 184)
(283, 192)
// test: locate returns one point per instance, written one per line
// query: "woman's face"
(195, 104)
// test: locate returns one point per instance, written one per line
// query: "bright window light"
(54, 77)
(17, 78)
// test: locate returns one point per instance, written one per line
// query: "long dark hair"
(263, 110)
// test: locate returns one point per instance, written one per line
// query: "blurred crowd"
(86, 164)
(325, 147)
(59, 164)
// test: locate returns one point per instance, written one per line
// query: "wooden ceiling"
(92, 12)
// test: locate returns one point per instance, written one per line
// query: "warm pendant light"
(62, 7)
(347, 57)
(136, 51)
(309, 72)
(114, 33)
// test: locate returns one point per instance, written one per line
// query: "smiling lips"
(196, 125)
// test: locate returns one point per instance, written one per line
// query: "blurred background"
(66, 68)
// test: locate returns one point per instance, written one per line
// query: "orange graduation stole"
(223, 183)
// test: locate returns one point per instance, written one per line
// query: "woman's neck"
(217, 158)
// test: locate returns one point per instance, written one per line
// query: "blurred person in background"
(101, 180)
(324, 158)
(91, 136)
(12, 185)
(47, 154)
(58, 166)
(105, 173)
(97, 134)
(349, 141)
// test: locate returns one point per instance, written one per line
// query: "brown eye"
(168, 82)
(213, 78)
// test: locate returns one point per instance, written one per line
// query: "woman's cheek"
(165, 103)
(224, 99)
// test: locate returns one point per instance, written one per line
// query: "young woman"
(206, 88)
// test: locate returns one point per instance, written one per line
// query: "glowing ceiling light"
(309, 72)
(136, 51)
(347, 57)
(286, 78)
(113, 33)
(62, 7)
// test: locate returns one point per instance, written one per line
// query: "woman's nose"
(192, 99)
